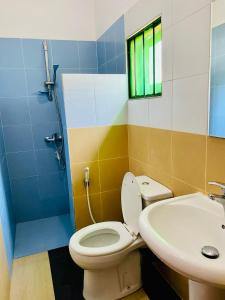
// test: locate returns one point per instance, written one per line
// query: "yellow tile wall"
(104, 150)
(184, 162)
(4, 274)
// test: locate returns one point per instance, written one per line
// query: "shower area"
(35, 138)
(38, 209)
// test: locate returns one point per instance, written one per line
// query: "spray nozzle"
(86, 176)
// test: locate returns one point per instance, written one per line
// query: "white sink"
(177, 229)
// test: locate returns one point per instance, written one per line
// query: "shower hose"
(88, 202)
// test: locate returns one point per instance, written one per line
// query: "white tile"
(111, 95)
(146, 11)
(167, 55)
(80, 108)
(191, 45)
(138, 112)
(190, 104)
(75, 82)
(184, 8)
(166, 13)
(160, 108)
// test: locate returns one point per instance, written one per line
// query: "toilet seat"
(131, 202)
(110, 237)
(101, 239)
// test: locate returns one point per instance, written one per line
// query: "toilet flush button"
(210, 252)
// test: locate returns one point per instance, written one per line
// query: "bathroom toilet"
(108, 251)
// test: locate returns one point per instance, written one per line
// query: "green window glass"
(145, 61)
(149, 65)
(132, 70)
(158, 59)
(139, 65)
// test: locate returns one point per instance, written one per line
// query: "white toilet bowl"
(102, 245)
(108, 251)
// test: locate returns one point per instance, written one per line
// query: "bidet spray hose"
(86, 184)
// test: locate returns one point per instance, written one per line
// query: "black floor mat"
(66, 275)
(155, 286)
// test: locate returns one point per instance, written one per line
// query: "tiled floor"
(31, 279)
(42, 235)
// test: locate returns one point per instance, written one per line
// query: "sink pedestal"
(201, 291)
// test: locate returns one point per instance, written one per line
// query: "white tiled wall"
(95, 99)
(160, 109)
(186, 56)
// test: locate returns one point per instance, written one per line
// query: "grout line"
(190, 76)
(96, 50)
(206, 164)
(98, 126)
(188, 184)
(98, 193)
(37, 175)
(167, 129)
(189, 15)
(171, 153)
(78, 54)
(169, 175)
(98, 160)
(30, 150)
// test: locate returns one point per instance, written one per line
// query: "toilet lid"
(131, 202)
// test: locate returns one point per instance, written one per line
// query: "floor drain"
(210, 252)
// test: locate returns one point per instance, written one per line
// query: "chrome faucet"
(216, 197)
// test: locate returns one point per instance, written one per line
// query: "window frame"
(132, 38)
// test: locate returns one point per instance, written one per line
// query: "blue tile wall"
(22, 165)
(217, 93)
(7, 220)
(14, 111)
(111, 49)
(12, 83)
(87, 55)
(18, 138)
(70, 59)
(39, 187)
(11, 54)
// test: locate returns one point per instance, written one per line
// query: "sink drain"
(210, 252)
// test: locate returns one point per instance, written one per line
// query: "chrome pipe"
(45, 46)
(48, 81)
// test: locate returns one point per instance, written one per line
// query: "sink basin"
(177, 229)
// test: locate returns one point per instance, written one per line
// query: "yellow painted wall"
(104, 150)
(4, 274)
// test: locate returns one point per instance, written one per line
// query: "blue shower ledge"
(42, 235)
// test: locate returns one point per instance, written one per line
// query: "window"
(145, 61)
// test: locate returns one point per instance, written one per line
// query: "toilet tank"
(152, 190)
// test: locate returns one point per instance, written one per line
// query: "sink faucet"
(218, 198)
